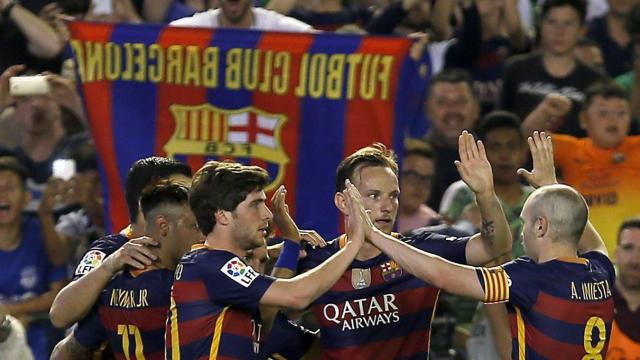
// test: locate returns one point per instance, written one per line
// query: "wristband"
(288, 258)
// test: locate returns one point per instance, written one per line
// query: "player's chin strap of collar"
(342, 241)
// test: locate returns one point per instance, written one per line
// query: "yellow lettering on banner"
(76, 45)
(95, 56)
(250, 69)
(140, 62)
(265, 84)
(353, 60)
(281, 82)
(317, 70)
(301, 89)
(232, 72)
(367, 87)
(335, 76)
(210, 67)
(156, 72)
(192, 66)
(174, 64)
(127, 74)
(384, 76)
(113, 61)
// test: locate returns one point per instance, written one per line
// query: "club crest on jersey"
(239, 272)
(246, 133)
(391, 270)
(360, 278)
(91, 260)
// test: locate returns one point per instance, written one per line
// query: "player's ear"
(542, 226)
(162, 224)
(223, 217)
(340, 202)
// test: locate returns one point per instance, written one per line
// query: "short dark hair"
(452, 76)
(85, 157)
(606, 89)
(148, 171)
(163, 195)
(498, 119)
(11, 164)
(375, 155)
(633, 223)
(419, 148)
(222, 186)
(580, 6)
(632, 23)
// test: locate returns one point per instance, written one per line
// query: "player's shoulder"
(98, 251)
(522, 263)
(599, 259)
(317, 255)
(109, 243)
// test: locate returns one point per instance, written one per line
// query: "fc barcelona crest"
(391, 270)
(205, 130)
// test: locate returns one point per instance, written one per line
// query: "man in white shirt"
(241, 14)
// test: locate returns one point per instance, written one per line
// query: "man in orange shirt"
(605, 166)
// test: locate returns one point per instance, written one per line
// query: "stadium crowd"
(547, 85)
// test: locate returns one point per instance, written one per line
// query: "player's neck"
(137, 230)
(367, 251)
(557, 250)
(632, 296)
(220, 240)
(10, 236)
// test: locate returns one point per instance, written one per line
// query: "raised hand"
(137, 253)
(543, 172)
(358, 221)
(313, 238)
(473, 166)
(281, 216)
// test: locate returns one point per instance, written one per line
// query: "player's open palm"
(359, 224)
(281, 216)
(543, 172)
(473, 166)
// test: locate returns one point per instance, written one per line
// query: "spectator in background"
(588, 52)
(605, 167)
(625, 332)
(451, 107)
(506, 151)
(610, 32)
(326, 15)
(44, 138)
(243, 15)
(26, 39)
(28, 281)
(416, 180)
(491, 32)
(529, 78)
(629, 81)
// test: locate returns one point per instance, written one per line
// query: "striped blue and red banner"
(295, 104)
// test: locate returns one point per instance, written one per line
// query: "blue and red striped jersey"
(377, 309)
(133, 311)
(214, 312)
(561, 308)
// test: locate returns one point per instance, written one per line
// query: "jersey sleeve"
(513, 281)
(99, 250)
(603, 262)
(89, 331)
(231, 281)
(449, 247)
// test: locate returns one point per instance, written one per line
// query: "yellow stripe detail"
(277, 356)
(522, 345)
(175, 337)
(217, 332)
(487, 286)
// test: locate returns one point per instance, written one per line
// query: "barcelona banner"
(294, 104)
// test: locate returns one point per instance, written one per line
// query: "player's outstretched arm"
(75, 300)
(451, 277)
(300, 291)
(544, 173)
(495, 235)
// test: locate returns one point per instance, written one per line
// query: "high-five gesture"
(543, 172)
(473, 166)
(281, 216)
(358, 221)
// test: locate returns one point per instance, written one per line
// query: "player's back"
(561, 309)
(133, 310)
